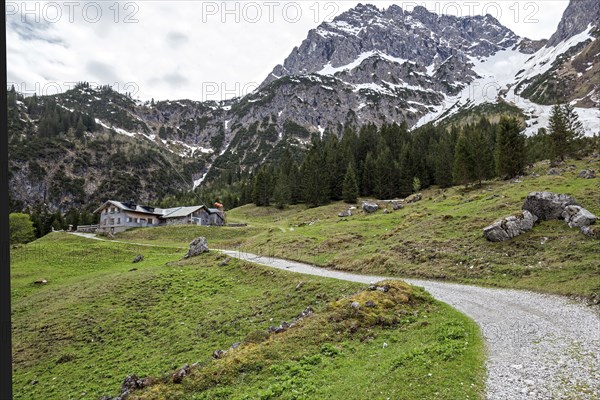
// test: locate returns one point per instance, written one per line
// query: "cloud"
(174, 49)
(176, 39)
(175, 79)
(105, 73)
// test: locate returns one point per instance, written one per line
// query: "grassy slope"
(439, 237)
(97, 321)
(408, 346)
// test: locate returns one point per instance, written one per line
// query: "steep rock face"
(424, 38)
(576, 19)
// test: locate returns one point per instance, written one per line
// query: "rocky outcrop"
(548, 206)
(591, 231)
(181, 373)
(369, 207)
(197, 247)
(413, 198)
(130, 383)
(284, 326)
(587, 174)
(576, 18)
(510, 227)
(578, 217)
(396, 205)
(542, 206)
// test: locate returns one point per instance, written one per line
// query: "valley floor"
(100, 318)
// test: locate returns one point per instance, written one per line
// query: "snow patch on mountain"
(500, 74)
(328, 69)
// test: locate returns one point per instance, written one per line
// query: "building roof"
(180, 211)
(130, 206)
(175, 212)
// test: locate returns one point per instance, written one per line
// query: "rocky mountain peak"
(420, 36)
(578, 16)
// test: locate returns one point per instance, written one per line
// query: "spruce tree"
(295, 184)
(385, 175)
(405, 179)
(368, 170)
(463, 165)
(510, 148)
(261, 194)
(444, 158)
(575, 130)
(481, 155)
(282, 192)
(80, 129)
(558, 133)
(350, 191)
(314, 187)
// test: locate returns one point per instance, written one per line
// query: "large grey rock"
(587, 174)
(578, 217)
(548, 206)
(591, 231)
(197, 247)
(370, 207)
(510, 227)
(181, 373)
(413, 198)
(396, 205)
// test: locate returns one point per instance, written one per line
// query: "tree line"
(391, 162)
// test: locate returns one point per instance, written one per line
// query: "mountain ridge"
(367, 66)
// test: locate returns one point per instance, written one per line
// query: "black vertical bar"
(5, 339)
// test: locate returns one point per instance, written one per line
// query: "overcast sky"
(200, 50)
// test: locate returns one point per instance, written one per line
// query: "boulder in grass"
(181, 373)
(587, 174)
(510, 227)
(197, 247)
(370, 207)
(413, 198)
(548, 206)
(396, 205)
(591, 231)
(578, 217)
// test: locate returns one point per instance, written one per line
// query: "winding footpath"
(539, 346)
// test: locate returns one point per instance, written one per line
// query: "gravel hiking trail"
(538, 346)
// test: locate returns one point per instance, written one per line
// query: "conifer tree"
(510, 148)
(444, 158)
(368, 175)
(350, 191)
(565, 131)
(481, 155)
(405, 180)
(80, 129)
(261, 194)
(295, 184)
(282, 192)
(314, 187)
(385, 175)
(559, 139)
(463, 166)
